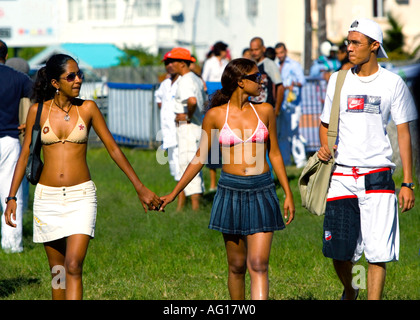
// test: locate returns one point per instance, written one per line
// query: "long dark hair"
(54, 68)
(233, 73)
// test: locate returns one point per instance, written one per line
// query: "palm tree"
(394, 37)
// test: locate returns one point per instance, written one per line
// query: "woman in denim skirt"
(246, 207)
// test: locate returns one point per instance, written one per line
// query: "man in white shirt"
(362, 208)
(165, 99)
(188, 108)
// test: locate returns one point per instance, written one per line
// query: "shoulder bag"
(35, 164)
(314, 180)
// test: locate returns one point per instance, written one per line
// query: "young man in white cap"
(362, 208)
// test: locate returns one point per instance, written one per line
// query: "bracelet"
(10, 198)
(408, 185)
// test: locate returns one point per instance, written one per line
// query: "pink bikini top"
(79, 134)
(227, 138)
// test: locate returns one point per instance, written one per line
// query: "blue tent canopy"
(90, 56)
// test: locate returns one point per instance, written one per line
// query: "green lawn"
(171, 255)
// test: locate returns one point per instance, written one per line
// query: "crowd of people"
(249, 129)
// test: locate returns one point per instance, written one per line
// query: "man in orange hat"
(188, 108)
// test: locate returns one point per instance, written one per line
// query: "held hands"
(165, 201)
(149, 199)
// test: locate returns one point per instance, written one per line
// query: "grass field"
(174, 256)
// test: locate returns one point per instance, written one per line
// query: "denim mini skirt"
(245, 205)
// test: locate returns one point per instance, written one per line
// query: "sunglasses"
(255, 77)
(72, 76)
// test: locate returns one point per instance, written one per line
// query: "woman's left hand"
(149, 199)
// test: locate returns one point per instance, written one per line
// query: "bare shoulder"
(86, 106)
(84, 103)
(216, 113)
(264, 109)
(33, 109)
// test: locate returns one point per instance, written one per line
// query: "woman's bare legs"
(69, 253)
(56, 252)
(250, 252)
(259, 246)
(236, 258)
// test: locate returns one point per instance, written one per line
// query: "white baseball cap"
(371, 29)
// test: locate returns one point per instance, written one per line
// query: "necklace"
(67, 116)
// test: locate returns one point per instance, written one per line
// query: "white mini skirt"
(60, 212)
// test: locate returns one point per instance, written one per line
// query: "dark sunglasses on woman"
(72, 76)
(255, 77)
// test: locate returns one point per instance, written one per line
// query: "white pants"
(188, 140)
(11, 238)
(173, 160)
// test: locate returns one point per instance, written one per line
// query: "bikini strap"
(227, 111)
(77, 108)
(50, 108)
(255, 111)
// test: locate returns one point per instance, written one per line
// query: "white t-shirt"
(213, 69)
(366, 104)
(166, 96)
(190, 85)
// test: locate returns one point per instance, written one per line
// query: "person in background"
(22, 65)
(212, 72)
(246, 53)
(165, 98)
(272, 90)
(270, 53)
(362, 209)
(327, 62)
(188, 108)
(246, 207)
(65, 197)
(215, 65)
(290, 140)
(14, 86)
(343, 57)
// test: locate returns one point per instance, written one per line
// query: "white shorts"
(63, 211)
(188, 140)
(361, 215)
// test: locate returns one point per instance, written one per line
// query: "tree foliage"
(139, 56)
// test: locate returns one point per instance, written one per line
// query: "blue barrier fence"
(133, 115)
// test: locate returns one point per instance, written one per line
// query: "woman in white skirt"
(65, 197)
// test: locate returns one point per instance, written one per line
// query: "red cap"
(179, 54)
